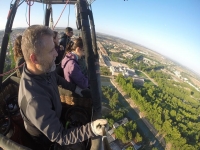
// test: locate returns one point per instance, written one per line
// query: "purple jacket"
(72, 71)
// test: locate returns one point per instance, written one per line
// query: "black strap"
(68, 61)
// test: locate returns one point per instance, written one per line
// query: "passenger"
(18, 55)
(59, 48)
(70, 65)
(39, 98)
(66, 38)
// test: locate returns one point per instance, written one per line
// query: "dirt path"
(152, 80)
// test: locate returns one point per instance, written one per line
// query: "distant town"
(150, 58)
(128, 49)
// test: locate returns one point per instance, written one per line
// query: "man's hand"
(83, 92)
(98, 126)
(86, 93)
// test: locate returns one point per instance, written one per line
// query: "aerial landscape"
(148, 68)
(144, 87)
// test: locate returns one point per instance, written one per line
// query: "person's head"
(17, 47)
(38, 49)
(69, 31)
(76, 47)
(56, 38)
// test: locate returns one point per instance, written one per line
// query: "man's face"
(48, 56)
(70, 33)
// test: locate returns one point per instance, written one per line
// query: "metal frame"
(8, 30)
(56, 1)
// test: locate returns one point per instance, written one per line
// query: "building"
(149, 62)
(110, 135)
(127, 55)
(128, 72)
(120, 123)
(138, 81)
(177, 73)
(115, 70)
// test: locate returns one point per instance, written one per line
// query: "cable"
(68, 15)
(29, 13)
(43, 12)
(61, 14)
(29, 4)
(30, 10)
(52, 23)
(26, 14)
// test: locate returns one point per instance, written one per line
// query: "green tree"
(130, 148)
(121, 134)
(113, 102)
(138, 137)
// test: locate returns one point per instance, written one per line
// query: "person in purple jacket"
(70, 65)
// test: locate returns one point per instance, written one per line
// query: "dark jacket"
(40, 95)
(72, 71)
(60, 55)
(64, 40)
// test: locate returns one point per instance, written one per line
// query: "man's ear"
(33, 59)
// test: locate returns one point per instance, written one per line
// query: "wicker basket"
(70, 98)
(5, 94)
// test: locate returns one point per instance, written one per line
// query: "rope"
(26, 14)
(44, 12)
(61, 14)
(29, 2)
(29, 14)
(12, 70)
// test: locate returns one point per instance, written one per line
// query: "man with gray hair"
(39, 98)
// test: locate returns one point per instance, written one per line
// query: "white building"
(115, 70)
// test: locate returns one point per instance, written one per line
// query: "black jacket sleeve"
(63, 42)
(64, 83)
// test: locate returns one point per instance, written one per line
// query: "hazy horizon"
(177, 63)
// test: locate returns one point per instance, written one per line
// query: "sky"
(170, 27)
